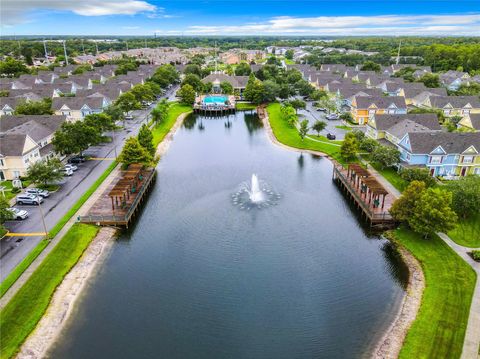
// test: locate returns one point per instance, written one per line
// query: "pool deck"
(200, 106)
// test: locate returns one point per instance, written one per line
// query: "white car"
(72, 167)
(18, 213)
(67, 172)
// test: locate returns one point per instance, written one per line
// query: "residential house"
(76, 108)
(453, 79)
(390, 129)
(364, 108)
(470, 122)
(453, 105)
(238, 82)
(416, 93)
(445, 154)
(25, 140)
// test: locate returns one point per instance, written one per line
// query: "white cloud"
(463, 24)
(16, 11)
(130, 27)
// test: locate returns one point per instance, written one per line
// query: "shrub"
(418, 174)
(476, 254)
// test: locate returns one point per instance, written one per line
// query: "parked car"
(67, 172)
(331, 136)
(28, 199)
(38, 192)
(18, 213)
(72, 167)
(322, 109)
(129, 117)
(332, 116)
(76, 159)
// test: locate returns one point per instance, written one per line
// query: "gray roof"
(451, 142)
(408, 126)
(455, 101)
(475, 119)
(12, 144)
(12, 102)
(36, 126)
(235, 81)
(427, 120)
(76, 103)
(380, 101)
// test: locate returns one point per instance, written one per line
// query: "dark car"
(76, 159)
(331, 136)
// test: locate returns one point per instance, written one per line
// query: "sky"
(240, 17)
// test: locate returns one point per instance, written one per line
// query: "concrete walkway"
(471, 343)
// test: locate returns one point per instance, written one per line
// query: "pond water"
(201, 277)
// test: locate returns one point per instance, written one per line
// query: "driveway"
(14, 249)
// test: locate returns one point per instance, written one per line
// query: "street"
(14, 249)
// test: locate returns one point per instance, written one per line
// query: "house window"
(446, 112)
(408, 157)
(2, 163)
(16, 174)
(465, 112)
(436, 159)
(477, 171)
(467, 159)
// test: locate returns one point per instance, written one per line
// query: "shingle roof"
(12, 144)
(380, 101)
(428, 120)
(76, 103)
(475, 120)
(451, 142)
(455, 101)
(235, 81)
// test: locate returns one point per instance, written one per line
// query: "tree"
(243, 69)
(370, 66)
(145, 138)
(159, 113)
(187, 94)
(303, 130)
(133, 152)
(270, 90)
(404, 206)
(328, 104)
(127, 102)
(432, 213)
(304, 88)
(317, 95)
(254, 90)
(115, 113)
(288, 114)
(349, 148)
(75, 137)
(319, 126)
(193, 69)
(5, 214)
(226, 87)
(143, 93)
(368, 144)
(13, 68)
(165, 75)
(418, 174)
(430, 80)
(45, 172)
(346, 116)
(100, 121)
(43, 107)
(297, 104)
(289, 54)
(465, 196)
(386, 156)
(194, 81)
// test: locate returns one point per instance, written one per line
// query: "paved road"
(312, 115)
(14, 249)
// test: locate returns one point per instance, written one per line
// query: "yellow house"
(468, 162)
(364, 108)
(17, 152)
(470, 122)
(454, 105)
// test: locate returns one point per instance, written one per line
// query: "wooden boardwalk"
(368, 195)
(122, 200)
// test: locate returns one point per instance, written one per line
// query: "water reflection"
(190, 121)
(252, 122)
(395, 265)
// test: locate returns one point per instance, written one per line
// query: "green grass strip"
(439, 329)
(290, 137)
(160, 131)
(25, 263)
(467, 232)
(245, 106)
(22, 313)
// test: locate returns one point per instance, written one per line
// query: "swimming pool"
(215, 100)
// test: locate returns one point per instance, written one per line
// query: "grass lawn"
(25, 263)
(467, 232)
(439, 328)
(290, 137)
(22, 313)
(343, 127)
(160, 131)
(8, 188)
(245, 106)
(391, 175)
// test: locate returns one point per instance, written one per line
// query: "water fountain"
(256, 194)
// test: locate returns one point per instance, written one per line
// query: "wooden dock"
(368, 195)
(122, 200)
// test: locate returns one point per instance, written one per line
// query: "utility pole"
(65, 52)
(126, 43)
(96, 46)
(398, 54)
(43, 218)
(83, 47)
(146, 43)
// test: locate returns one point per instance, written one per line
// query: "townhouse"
(238, 82)
(470, 122)
(453, 105)
(444, 154)
(76, 108)
(363, 108)
(25, 140)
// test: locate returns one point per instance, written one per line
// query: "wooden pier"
(122, 200)
(368, 195)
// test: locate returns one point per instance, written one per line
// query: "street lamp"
(43, 218)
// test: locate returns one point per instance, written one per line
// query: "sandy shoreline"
(65, 297)
(392, 340)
